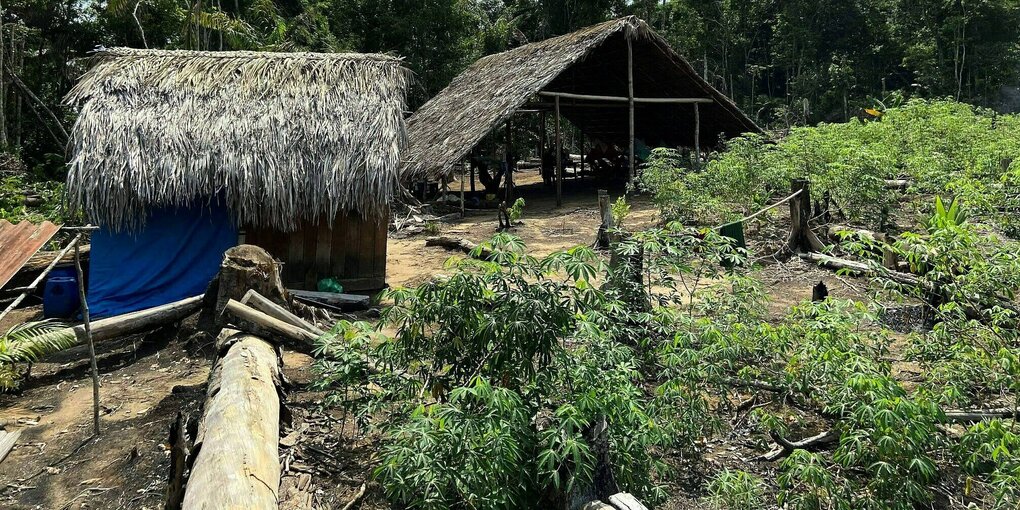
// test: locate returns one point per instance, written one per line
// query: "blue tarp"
(174, 256)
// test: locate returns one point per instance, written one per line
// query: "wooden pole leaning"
(87, 323)
(463, 175)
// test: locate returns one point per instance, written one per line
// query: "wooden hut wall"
(352, 249)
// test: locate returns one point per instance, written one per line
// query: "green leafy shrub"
(27, 343)
(733, 490)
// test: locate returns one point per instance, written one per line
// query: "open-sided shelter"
(177, 154)
(615, 81)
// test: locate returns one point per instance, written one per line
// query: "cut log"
(137, 322)
(244, 268)
(7, 442)
(889, 259)
(858, 267)
(237, 462)
(898, 184)
(346, 302)
(265, 305)
(260, 323)
(626, 501)
(456, 243)
(256, 322)
(975, 415)
(142, 320)
(596, 505)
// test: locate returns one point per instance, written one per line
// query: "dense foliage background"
(784, 62)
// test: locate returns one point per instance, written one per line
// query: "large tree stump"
(802, 238)
(237, 462)
(245, 268)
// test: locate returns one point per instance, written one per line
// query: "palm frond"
(26, 343)
(32, 340)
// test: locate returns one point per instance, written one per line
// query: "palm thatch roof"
(279, 137)
(590, 61)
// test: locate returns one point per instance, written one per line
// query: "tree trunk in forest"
(237, 463)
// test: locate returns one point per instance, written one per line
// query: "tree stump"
(244, 268)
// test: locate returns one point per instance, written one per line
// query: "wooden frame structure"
(617, 82)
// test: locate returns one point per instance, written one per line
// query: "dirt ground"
(147, 380)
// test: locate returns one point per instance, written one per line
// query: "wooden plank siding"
(352, 249)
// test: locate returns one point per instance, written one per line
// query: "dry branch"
(456, 243)
(787, 447)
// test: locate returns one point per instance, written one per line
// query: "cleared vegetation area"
(658, 367)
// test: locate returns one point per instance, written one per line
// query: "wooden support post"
(88, 335)
(630, 108)
(559, 160)
(463, 175)
(541, 135)
(802, 239)
(697, 136)
(471, 166)
(509, 161)
(581, 174)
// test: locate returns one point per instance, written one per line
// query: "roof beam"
(624, 99)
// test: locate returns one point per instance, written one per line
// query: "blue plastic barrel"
(60, 297)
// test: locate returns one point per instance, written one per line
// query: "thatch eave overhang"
(279, 137)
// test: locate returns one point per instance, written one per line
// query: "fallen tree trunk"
(858, 267)
(142, 320)
(237, 463)
(456, 243)
(975, 415)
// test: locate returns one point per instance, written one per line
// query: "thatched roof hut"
(281, 137)
(592, 61)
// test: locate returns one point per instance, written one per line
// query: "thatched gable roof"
(589, 61)
(279, 136)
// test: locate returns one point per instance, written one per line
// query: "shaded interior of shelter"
(658, 73)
